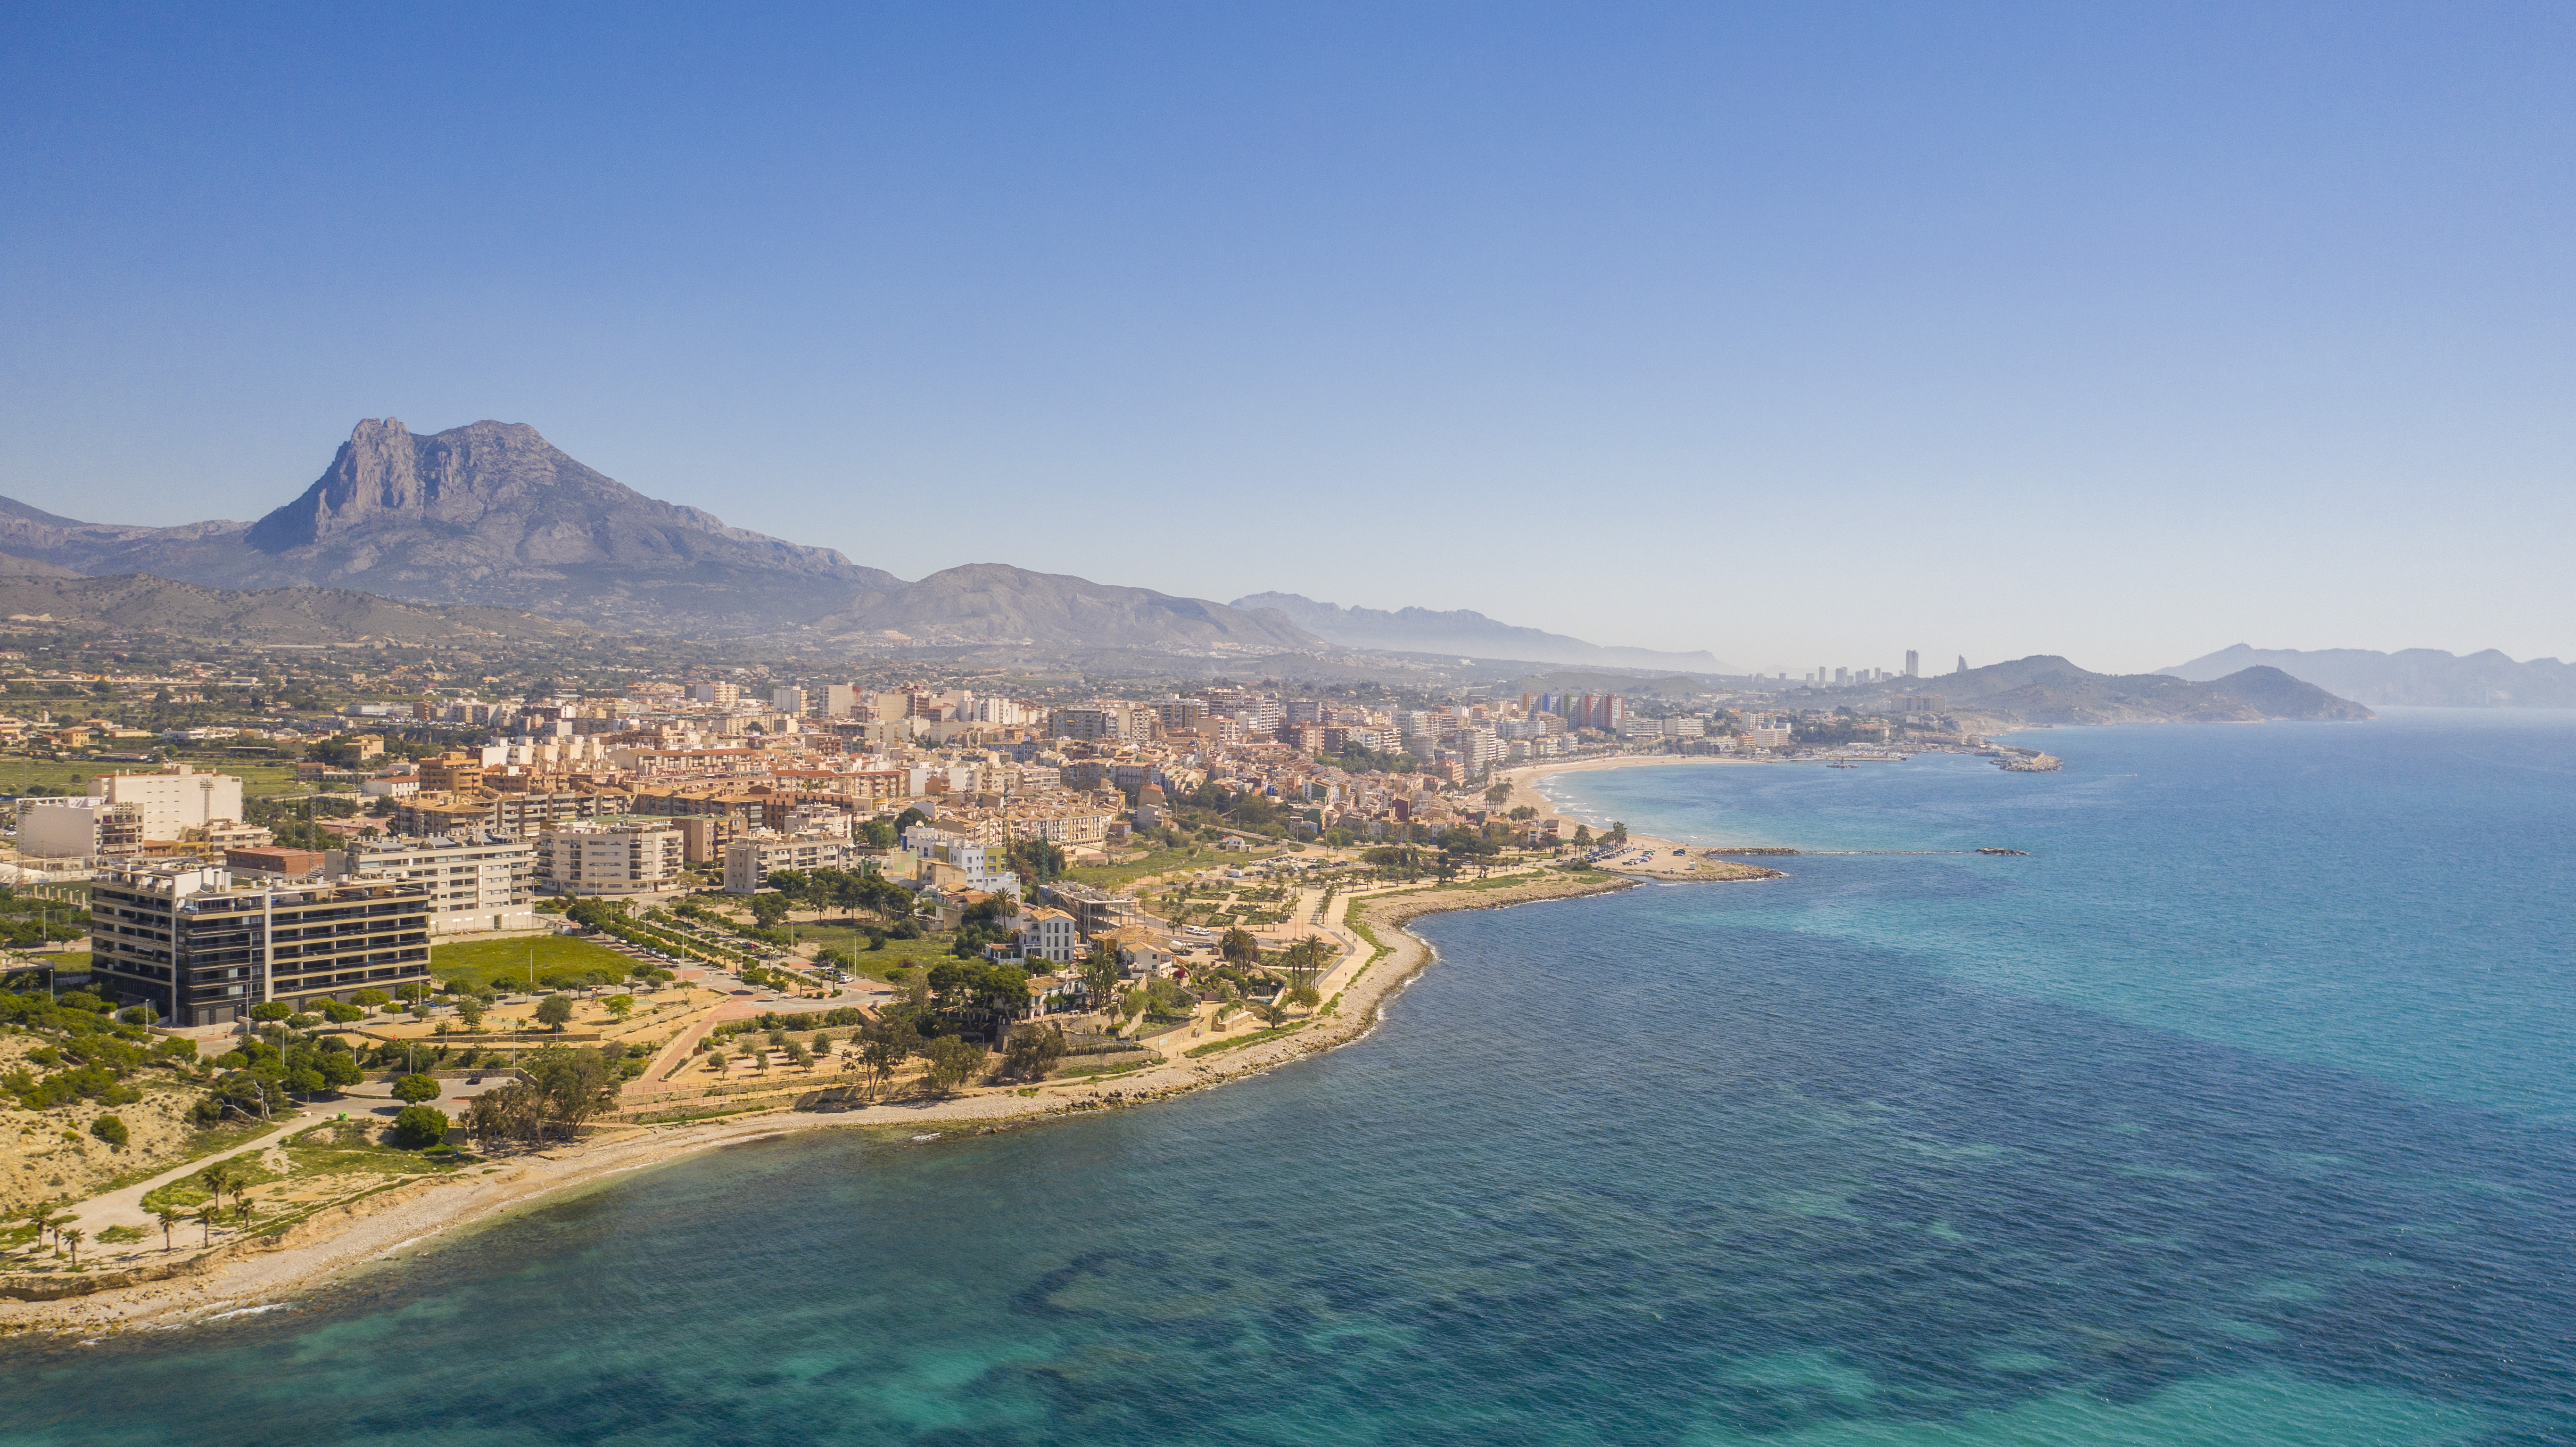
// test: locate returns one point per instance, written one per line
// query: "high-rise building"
(201, 948)
(1913, 664)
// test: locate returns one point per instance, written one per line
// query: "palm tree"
(169, 1218)
(71, 1236)
(206, 1215)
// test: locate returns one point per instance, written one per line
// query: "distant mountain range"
(1422, 630)
(2425, 677)
(493, 514)
(2048, 689)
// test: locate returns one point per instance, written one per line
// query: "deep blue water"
(2238, 1112)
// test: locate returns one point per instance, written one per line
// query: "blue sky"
(1805, 335)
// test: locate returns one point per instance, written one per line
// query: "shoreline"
(255, 1273)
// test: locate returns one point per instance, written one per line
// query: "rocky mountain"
(2047, 689)
(493, 514)
(138, 603)
(2425, 677)
(990, 603)
(1459, 631)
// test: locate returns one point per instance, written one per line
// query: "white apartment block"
(967, 857)
(1050, 935)
(749, 861)
(78, 828)
(176, 799)
(610, 856)
(476, 881)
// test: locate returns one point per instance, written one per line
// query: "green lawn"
(503, 964)
(875, 964)
(1160, 861)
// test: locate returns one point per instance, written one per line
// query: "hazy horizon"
(1800, 338)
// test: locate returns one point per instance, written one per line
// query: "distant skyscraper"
(1913, 664)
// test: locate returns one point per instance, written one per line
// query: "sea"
(2240, 1109)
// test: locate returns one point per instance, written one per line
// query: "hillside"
(2423, 677)
(493, 514)
(990, 603)
(2045, 688)
(137, 603)
(1460, 631)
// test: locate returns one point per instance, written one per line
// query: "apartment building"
(481, 881)
(612, 855)
(751, 859)
(78, 828)
(175, 799)
(1050, 935)
(952, 860)
(202, 947)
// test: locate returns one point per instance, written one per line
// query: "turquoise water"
(2237, 1112)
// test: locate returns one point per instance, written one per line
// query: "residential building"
(1049, 934)
(952, 861)
(751, 859)
(619, 854)
(476, 881)
(175, 799)
(451, 773)
(202, 947)
(79, 828)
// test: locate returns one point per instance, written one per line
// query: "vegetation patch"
(1255, 1038)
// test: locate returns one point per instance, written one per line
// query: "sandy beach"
(428, 1214)
(1662, 858)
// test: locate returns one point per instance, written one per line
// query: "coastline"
(255, 1273)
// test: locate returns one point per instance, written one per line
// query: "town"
(243, 893)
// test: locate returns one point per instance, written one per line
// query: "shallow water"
(2236, 1113)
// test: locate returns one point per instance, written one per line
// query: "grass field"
(874, 964)
(18, 773)
(503, 964)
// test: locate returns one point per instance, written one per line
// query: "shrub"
(111, 1130)
(420, 1125)
(413, 1089)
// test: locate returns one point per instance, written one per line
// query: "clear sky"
(1804, 334)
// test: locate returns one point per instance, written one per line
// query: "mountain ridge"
(2420, 677)
(1463, 631)
(492, 514)
(2046, 688)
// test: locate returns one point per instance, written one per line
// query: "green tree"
(1100, 973)
(1032, 1052)
(953, 1060)
(471, 1009)
(414, 1089)
(371, 999)
(72, 1236)
(420, 1125)
(555, 1011)
(111, 1130)
(1239, 948)
(620, 1006)
(268, 1011)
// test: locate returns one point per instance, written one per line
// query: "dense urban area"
(450, 907)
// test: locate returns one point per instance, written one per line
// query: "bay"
(2236, 1112)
